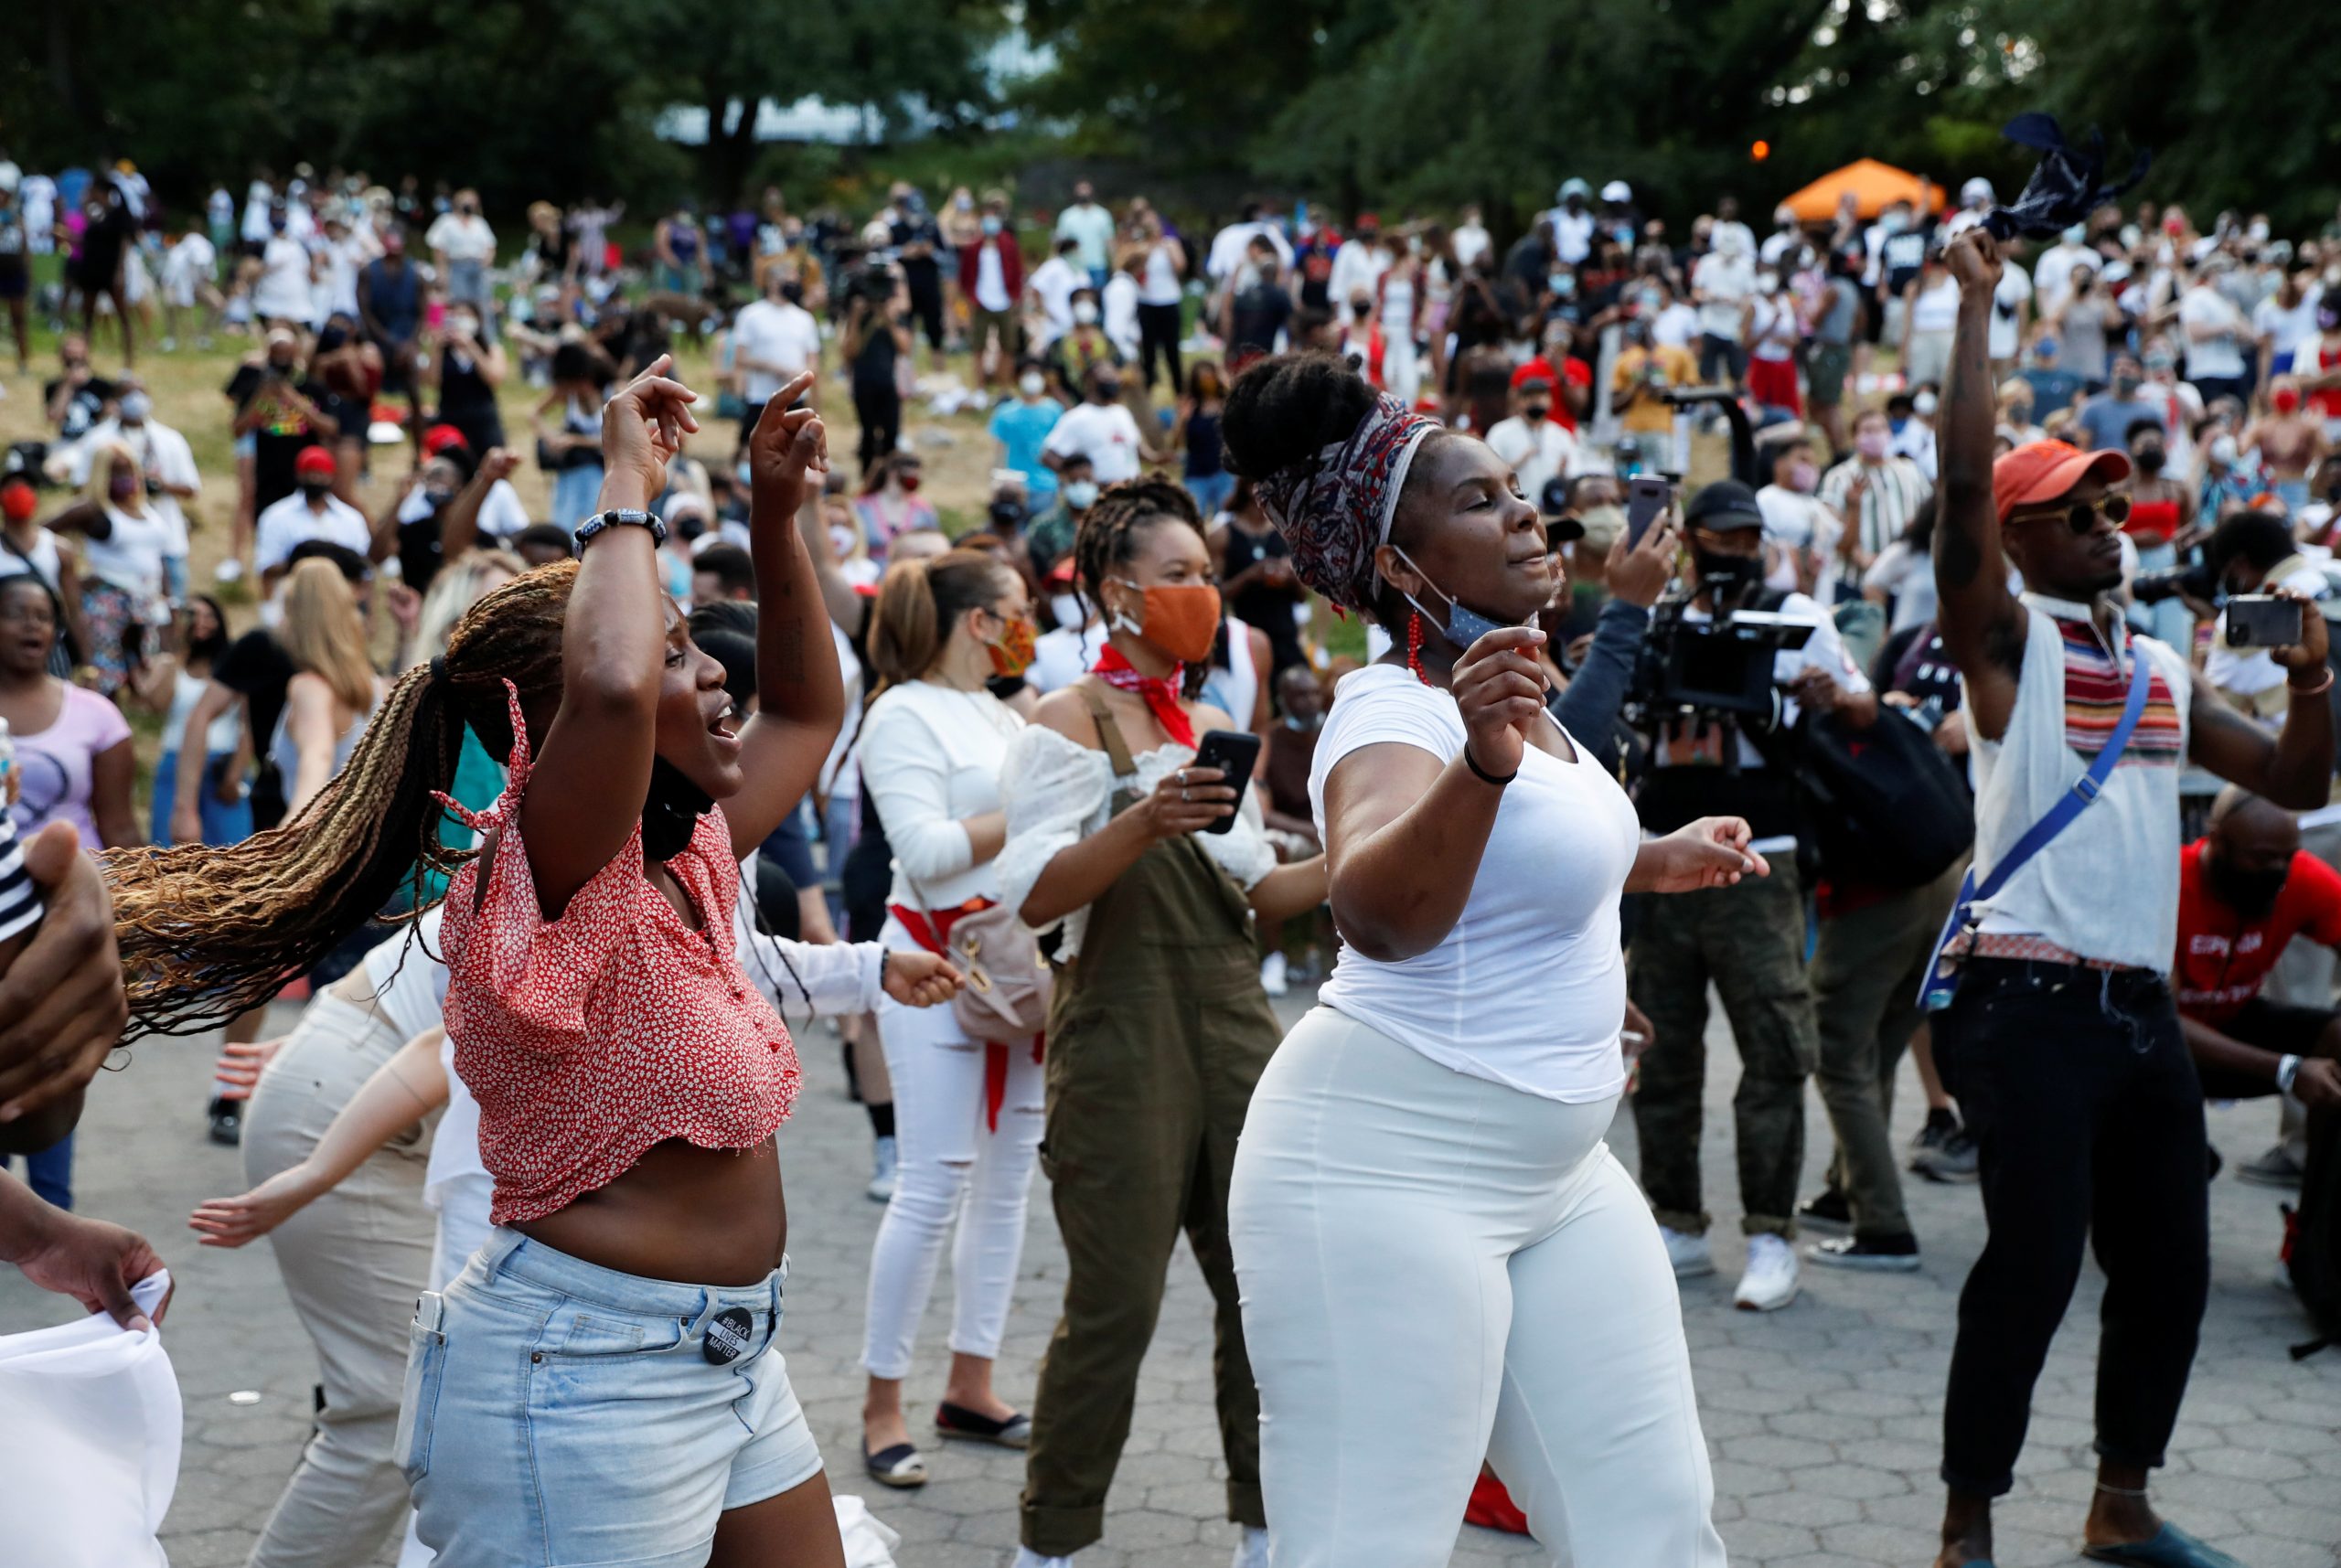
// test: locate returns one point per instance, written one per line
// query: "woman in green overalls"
(1159, 1028)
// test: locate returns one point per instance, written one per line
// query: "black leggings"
(1158, 333)
(879, 407)
(2088, 1120)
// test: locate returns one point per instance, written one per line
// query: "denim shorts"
(556, 1412)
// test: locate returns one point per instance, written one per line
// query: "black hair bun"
(1290, 408)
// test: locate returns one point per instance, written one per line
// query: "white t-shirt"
(2053, 273)
(1674, 326)
(1726, 281)
(1063, 657)
(1795, 524)
(1471, 242)
(1528, 989)
(1936, 308)
(189, 262)
(2015, 288)
(288, 523)
(1105, 433)
(1160, 286)
(502, 514)
(1537, 456)
(2222, 357)
(1054, 281)
(131, 556)
(461, 238)
(1572, 235)
(45, 561)
(776, 333)
(2286, 330)
(1773, 330)
(991, 280)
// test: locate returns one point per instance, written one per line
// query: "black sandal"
(901, 1466)
(958, 1421)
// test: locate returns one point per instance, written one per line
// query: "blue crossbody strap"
(1935, 990)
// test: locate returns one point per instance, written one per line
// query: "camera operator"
(877, 334)
(1748, 939)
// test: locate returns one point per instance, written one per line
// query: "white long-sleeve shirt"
(930, 759)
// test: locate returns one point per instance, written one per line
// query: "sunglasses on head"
(2081, 515)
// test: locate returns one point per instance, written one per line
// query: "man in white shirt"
(1361, 260)
(2011, 312)
(1053, 285)
(189, 268)
(1538, 449)
(2216, 332)
(1470, 237)
(311, 512)
(1572, 222)
(1102, 429)
(1728, 224)
(2052, 275)
(1721, 285)
(773, 340)
(1091, 228)
(1231, 244)
(461, 246)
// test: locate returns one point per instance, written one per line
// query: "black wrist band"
(1482, 775)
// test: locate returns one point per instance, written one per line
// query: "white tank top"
(1161, 284)
(2107, 886)
(1397, 307)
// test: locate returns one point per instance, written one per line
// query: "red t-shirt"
(2222, 958)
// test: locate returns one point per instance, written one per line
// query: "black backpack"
(2312, 1234)
(1883, 805)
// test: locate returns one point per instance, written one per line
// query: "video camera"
(2195, 582)
(1719, 668)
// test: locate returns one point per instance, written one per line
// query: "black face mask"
(2151, 459)
(2249, 894)
(1741, 573)
(1007, 517)
(311, 489)
(670, 813)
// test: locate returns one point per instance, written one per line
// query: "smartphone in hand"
(1232, 753)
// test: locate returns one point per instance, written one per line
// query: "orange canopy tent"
(1872, 184)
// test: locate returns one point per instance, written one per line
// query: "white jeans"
(951, 1164)
(1436, 1267)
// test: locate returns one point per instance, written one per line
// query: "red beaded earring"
(1415, 645)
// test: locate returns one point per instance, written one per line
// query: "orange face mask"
(1012, 654)
(1179, 618)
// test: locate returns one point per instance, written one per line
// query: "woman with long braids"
(1440, 1257)
(1159, 1028)
(599, 1384)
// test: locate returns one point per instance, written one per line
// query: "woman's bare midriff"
(695, 1215)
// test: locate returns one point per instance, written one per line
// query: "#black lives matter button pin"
(726, 1336)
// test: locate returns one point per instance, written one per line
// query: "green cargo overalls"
(1157, 1037)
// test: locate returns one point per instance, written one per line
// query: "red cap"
(440, 437)
(314, 460)
(1536, 367)
(2045, 470)
(1368, 220)
(17, 500)
(1061, 574)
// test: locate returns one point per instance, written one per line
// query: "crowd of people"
(1047, 807)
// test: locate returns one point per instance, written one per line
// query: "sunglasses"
(2081, 515)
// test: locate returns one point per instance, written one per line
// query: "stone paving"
(1823, 1419)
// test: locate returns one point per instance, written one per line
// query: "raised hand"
(643, 429)
(788, 445)
(1974, 260)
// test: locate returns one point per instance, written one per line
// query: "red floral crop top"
(588, 1039)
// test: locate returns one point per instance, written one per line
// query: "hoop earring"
(1415, 645)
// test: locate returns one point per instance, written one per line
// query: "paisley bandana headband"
(1335, 508)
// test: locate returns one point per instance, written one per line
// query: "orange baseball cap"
(2043, 470)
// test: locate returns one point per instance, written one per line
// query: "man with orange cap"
(2056, 1027)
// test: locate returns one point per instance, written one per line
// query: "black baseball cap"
(1550, 505)
(1723, 507)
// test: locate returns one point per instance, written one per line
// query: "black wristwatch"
(619, 516)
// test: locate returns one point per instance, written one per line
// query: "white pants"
(353, 1263)
(951, 1164)
(1436, 1267)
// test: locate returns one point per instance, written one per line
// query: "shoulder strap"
(1109, 734)
(2085, 788)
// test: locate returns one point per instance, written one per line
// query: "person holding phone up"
(1159, 1028)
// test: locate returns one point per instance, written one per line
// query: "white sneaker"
(1688, 1254)
(1028, 1557)
(227, 570)
(1252, 1551)
(1771, 1282)
(883, 1161)
(1272, 974)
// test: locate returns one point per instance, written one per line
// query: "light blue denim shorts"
(557, 1412)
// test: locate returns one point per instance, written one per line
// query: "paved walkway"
(1823, 1419)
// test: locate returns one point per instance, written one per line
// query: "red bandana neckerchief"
(1160, 693)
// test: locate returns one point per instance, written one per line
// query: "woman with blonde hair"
(966, 1112)
(122, 557)
(334, 688)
